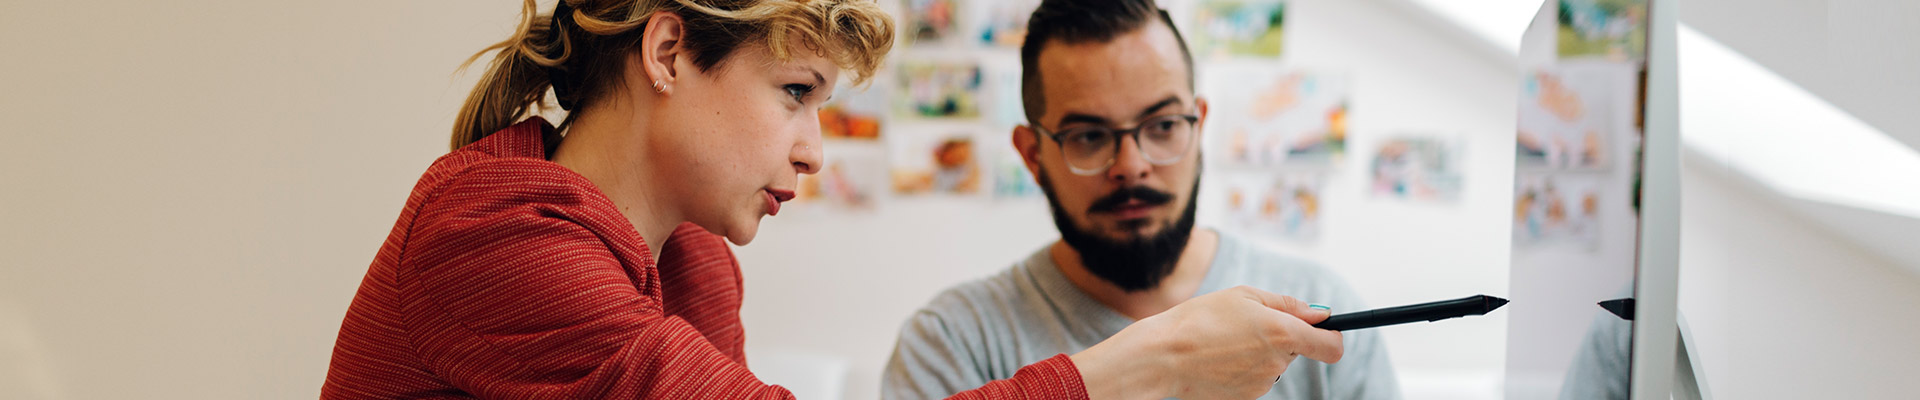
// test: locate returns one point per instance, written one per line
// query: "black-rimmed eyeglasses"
(1090, 149)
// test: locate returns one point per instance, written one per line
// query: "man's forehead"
(1115, 79)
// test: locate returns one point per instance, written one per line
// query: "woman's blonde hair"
(585, 53)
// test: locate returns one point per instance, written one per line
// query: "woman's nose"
(807, 154)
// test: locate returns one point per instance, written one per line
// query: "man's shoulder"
(976, 299)
(1256, 259)
(1270, 270)
(967, 335)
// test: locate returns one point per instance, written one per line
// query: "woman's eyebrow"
(818, 78)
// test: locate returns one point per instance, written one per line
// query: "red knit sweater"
(508, 276)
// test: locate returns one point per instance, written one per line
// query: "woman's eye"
(798, 91)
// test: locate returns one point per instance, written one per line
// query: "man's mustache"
(1146, 196)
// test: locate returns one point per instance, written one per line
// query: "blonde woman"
(587, 261)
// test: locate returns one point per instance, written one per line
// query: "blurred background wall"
(191, 193)
(194, 189)
(842, 283)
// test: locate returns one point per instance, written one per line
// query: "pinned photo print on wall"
(1557, 210)
(1290, 119)
(930, 21)
(936, 164)
(1004, 22)
(938, 90)
(1613, 30)
(1239, 28)
(856, 113)
(1567, 119)
(1010, 176)
(851, 178)
(1283, 206)
(1425, 169)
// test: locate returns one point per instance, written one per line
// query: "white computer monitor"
(1596, 203)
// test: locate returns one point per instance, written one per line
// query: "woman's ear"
(660, 48)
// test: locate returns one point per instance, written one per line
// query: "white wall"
(1783, 309)
(190, 192)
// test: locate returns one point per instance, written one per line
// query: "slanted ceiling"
(1822, 113)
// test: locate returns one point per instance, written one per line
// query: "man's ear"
(1200, 125)
(1026, 141)
(660, 48)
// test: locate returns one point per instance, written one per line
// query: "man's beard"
(1134, 264)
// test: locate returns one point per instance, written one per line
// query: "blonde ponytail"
(515, 83)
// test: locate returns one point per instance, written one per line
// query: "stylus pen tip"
(1494, 303)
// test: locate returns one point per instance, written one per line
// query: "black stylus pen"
(1435, 311)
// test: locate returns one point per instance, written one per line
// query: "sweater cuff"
(1054, 378)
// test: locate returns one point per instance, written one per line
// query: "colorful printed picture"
(851, 178)
(1567, 119)
(930, 21)
(1224, 28)
(1286, 206)
(938, 90)
(1292, 119)
(1422, 169)
(1004, 22)
(855, 113)
(1549, 209)
(1010, 176)
(1003, 110)
(1609, 29)
(941, 164)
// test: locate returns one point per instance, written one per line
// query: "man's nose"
(1129, 165)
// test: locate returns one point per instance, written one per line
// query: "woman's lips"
(774, 198)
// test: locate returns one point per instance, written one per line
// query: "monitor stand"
(1689, 375)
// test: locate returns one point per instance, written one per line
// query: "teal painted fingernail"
(1319, 307)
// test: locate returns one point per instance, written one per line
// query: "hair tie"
(557, 75)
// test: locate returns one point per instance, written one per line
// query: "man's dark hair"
(1083, 21)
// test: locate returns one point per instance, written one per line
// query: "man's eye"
(1092, 137)
(798, 91)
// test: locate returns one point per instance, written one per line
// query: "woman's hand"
(1231, 344)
